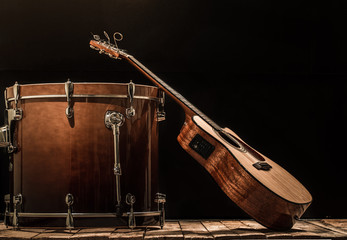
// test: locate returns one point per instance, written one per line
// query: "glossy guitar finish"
(274, 198)
(259, 186)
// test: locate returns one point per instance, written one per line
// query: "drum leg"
(130, 200)
(69, 219)
(160, 199)
(17, 201)
(7, 200)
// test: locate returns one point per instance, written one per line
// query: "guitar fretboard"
(160, 83)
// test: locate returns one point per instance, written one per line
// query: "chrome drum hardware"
(97, 167)
(69, 219)
(130, 200)
(114, 120)
(7, 199)
(130, 112)
(69, 92)
(70, 215)
(4, 132)
(160, 199)
(17, 202)
(161, 115)
(12, 115)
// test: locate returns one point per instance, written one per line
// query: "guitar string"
(173, 92)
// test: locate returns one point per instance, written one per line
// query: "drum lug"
(160, 199)
(6, 132)
(130, 200)
(16, 114)
(161, 115)
(69, 219)
(16, 94)
(4, 136)
(130, 112)
(69, 92)
(17, 201)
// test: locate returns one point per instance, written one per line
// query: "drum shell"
(57, 155)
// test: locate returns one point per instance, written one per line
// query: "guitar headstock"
(106, 47)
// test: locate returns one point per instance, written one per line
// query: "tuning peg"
(117, 37)
(92, 47)
(108, 38)
(101, 51)
(96, 37)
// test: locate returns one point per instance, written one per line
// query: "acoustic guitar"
(259, 186)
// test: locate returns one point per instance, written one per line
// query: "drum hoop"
(86, 96)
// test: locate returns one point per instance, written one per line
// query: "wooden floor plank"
(178, 230)
(267, 232)
(338, 232)
(58, 233)
(125, 233)
(171, 231)
(244, 231)
(3, 227)
(23, 233)
(301, 230)
(194, 230)
(93, 233)
(220, 231)
(305, 230)
(339, 223)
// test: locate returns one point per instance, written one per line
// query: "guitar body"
(273, 197)
(259, 186)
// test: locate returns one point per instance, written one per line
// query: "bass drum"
(59, 154)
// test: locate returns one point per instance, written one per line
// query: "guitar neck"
(189, 108)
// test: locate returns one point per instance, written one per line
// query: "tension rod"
(114, 120)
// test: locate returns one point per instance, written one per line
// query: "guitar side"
(262, 188)
(275, 205)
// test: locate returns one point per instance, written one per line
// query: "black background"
(273, 71)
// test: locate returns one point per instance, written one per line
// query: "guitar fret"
(173, 92)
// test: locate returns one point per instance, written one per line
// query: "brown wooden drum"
(71, 158)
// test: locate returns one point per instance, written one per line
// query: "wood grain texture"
(219, 230)
(270, 205)
(56, 234)
(337, 225)
(56, 157)
(93, 233)
(186, 229)
(274, 198)
(124, 233)
(301, 230)
(194, 230)
(243, 230)
(171, 231)
(24, 233)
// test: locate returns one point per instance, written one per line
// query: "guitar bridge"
(201, 146)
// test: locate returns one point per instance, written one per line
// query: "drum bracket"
(114, 120)
(69, 92)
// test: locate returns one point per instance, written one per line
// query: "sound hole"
(227, 137)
